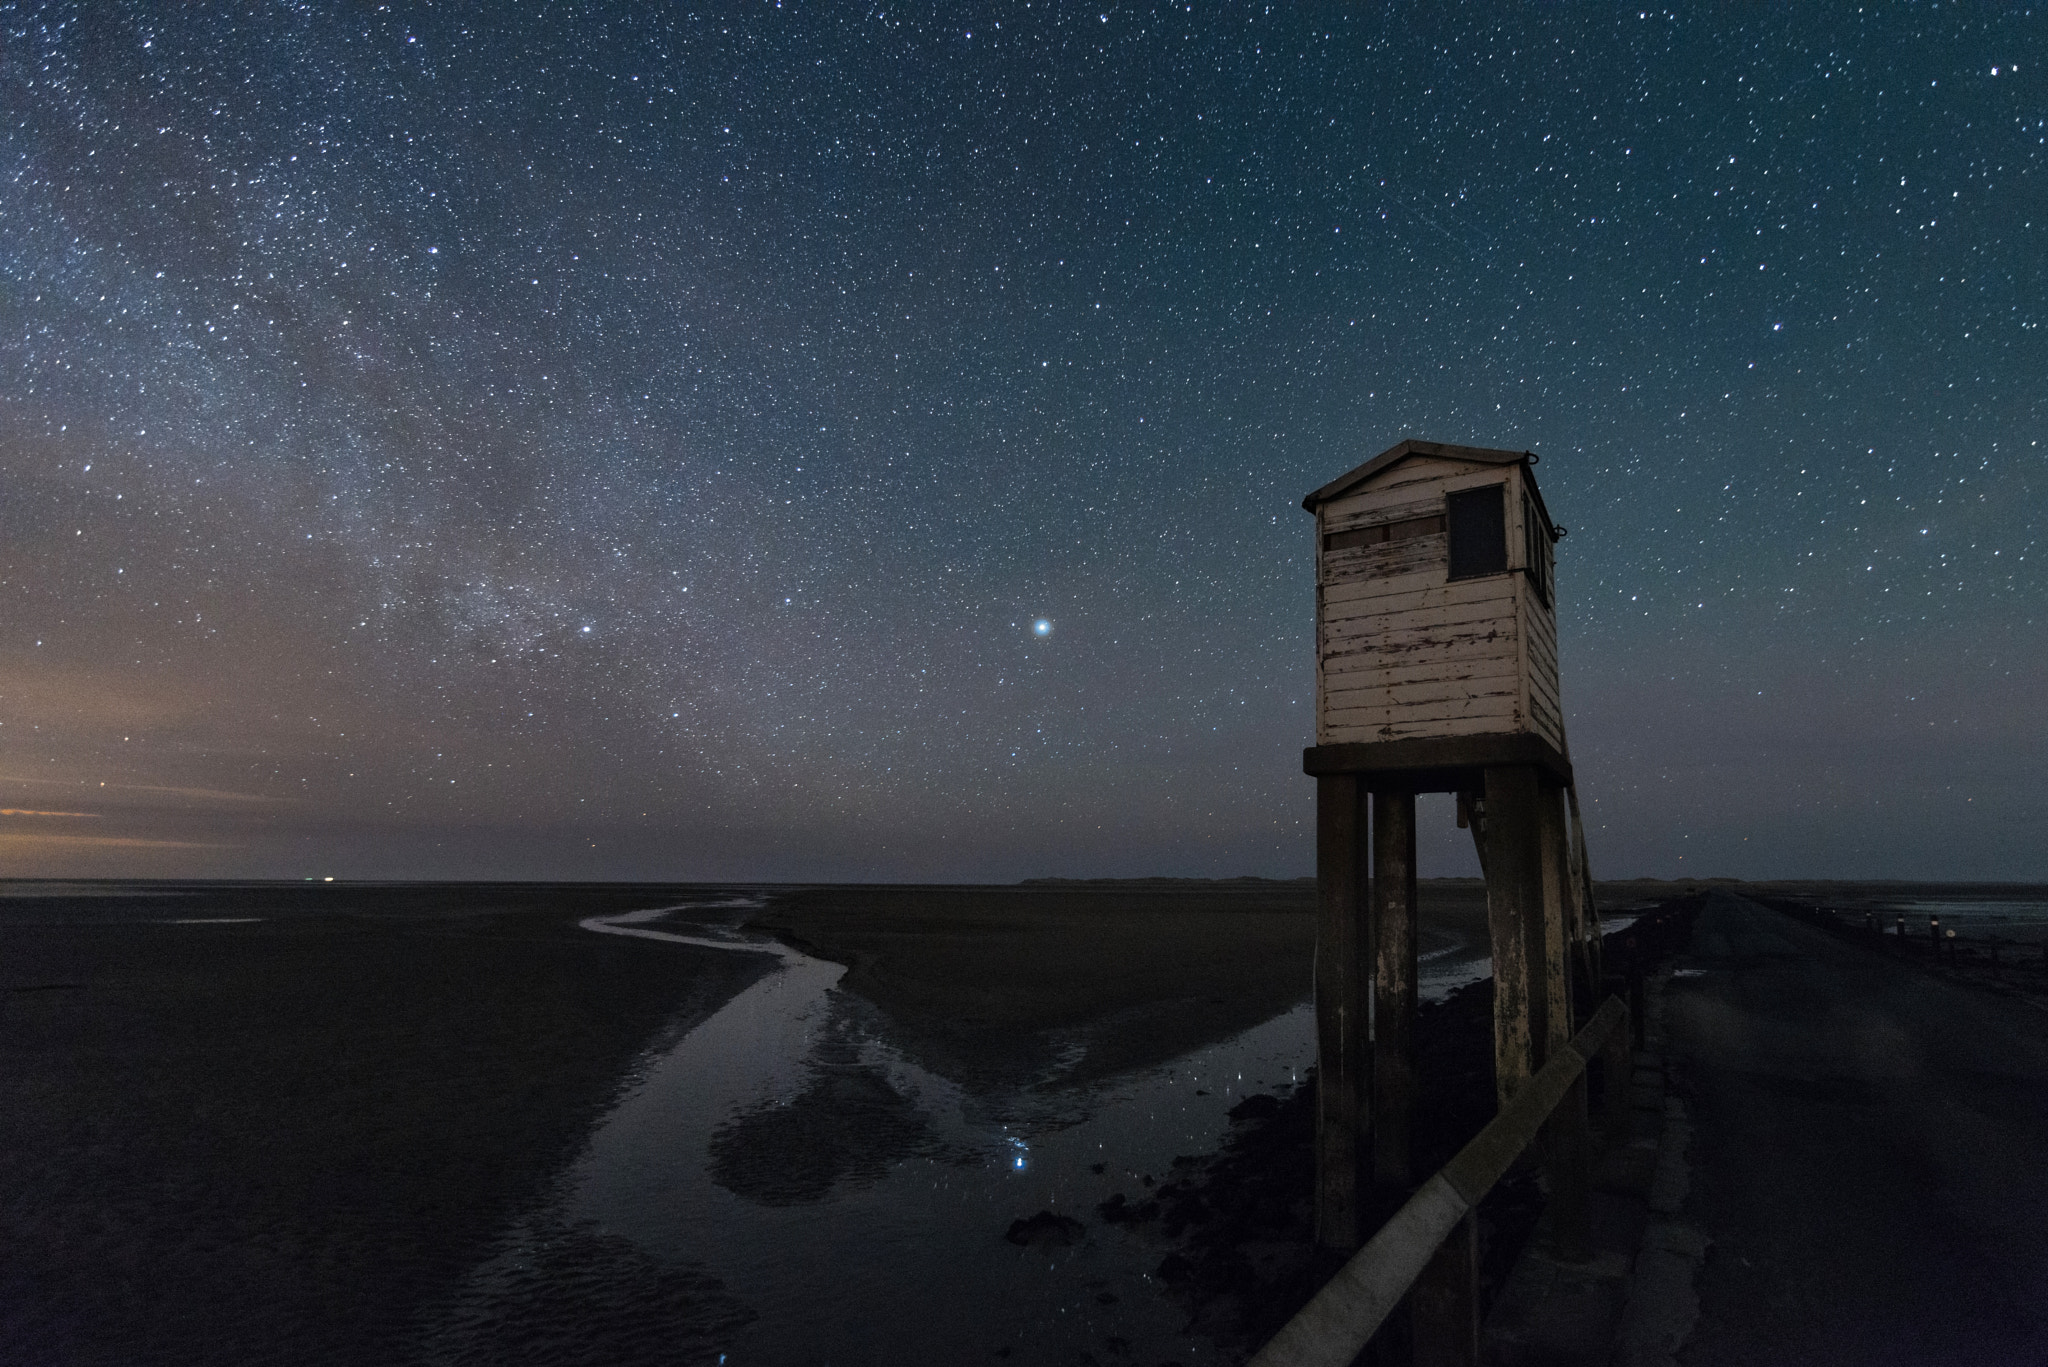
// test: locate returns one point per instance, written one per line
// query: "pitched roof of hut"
(1400, 451)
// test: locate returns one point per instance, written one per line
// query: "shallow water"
(1446, 961)
(1972, 918)
(1973, 909)
(793, 1189)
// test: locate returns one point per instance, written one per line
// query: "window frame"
(1453, 499)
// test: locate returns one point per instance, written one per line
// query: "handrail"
(1341, 1318)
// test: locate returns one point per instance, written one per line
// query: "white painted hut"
(1434, 602)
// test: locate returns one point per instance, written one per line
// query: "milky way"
(578, 441)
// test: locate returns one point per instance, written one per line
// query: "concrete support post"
(1343, 1079)
(1394, 994)
(1514, 913)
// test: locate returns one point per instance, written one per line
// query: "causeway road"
(1869, 1153)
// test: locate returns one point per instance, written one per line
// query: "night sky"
(634, 442)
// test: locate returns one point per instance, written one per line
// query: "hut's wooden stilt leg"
(1342, 1060)
(1514, 913)
(1589, 911)
(1557, 896)
(1567, 1147)
(1394, 995)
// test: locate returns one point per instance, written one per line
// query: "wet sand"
(995, 986)
(270, 1141)
(1075, 981)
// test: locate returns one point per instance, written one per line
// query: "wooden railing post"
(1353, 1305)
(1569, 1159)
(1443, 1309)
(1617, 1085)
(1635, 983)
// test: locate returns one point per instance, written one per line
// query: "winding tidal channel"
(816, 1197)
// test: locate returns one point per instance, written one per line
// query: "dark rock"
(1118, 1211)
(1046, 1230)
(1261, 1106)
(847, 1127)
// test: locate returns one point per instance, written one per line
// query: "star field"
(794, 441)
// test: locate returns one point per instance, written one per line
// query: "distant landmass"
(1241, 880)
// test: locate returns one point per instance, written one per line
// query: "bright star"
(1041, 627)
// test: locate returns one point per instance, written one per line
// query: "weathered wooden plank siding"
(1419, 672)
(1369, 721)
(1429, 576)
(1386, 560)
(1430, 693)
(1449, 668)
(1542, 656)
(1441, 649)
(1483, 637)
(1448, 688)
(1358, 618)
(1428, 593)
(1542, 685)
(1435, 669)
(1522, 596)
(1370, 510)
(1448, 679)
(1408, 724)
(1432, 592)
(1546, 712)
(1404, 652)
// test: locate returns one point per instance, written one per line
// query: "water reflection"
(857, 1202)
(825, 1199)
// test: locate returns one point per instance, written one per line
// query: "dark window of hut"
(1479, 533)
(1432, 525)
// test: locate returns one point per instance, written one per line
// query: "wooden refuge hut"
(1436, 671)
(1434, 603)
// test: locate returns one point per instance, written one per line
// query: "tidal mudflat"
(264, 1123)
(445, 1124)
